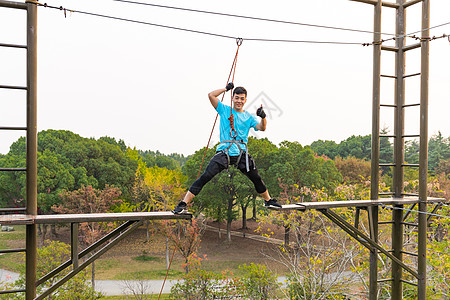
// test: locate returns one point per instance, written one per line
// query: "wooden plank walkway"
(355, 203)
(96, 217)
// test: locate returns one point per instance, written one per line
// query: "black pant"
(219, 162)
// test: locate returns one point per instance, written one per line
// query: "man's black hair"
(240, 90)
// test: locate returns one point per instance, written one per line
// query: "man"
(232, 149)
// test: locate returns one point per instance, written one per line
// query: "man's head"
(239, 98)
(240, 90)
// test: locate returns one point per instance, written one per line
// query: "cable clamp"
(239, 41)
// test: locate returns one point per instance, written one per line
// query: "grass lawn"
(122, 268)
(12, 240)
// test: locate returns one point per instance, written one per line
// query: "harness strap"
(241, 151)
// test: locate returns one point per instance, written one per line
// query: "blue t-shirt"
(242, 124)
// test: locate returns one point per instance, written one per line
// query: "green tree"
(357, 146)
(12, 184)
(199, 284)
(165, 187)
(386, 148)
(294, 164)
(171, 162)
(327, 148)
(438, 150)
(259, 283)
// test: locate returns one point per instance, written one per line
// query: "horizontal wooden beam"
(355, 203)
(11, 4)
(412, 2)
(375, 2)
(81, 218)
(389, 48)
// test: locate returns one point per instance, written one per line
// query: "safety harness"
(241, 151)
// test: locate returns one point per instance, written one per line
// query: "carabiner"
(233, 133)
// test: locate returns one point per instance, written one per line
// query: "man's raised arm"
(214, 94)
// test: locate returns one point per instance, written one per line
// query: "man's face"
(239, 101)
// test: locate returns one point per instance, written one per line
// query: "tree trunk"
(220, 234)
(147, 222)
(229, 218)
(244, 217)
(287, 230)
(93, 275)
(228, 230)
(254, 209)
(53, 229)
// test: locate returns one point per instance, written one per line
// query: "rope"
(65, 10)
(253, 18)
(233, 68)
(417, 211)
(233, 132)
(170, 264)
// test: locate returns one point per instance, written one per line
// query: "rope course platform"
(369, 241)
(355, 203)
(95, 217)
(81, 259)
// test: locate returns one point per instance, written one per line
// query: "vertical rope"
(170, 264)
(232, 72)
(231, 118)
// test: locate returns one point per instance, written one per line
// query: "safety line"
(233, 67)
(247, 39)
(131, 20)
(61, 8)
(420, 212)
(170, 263)
(432, 27)
(253, 18)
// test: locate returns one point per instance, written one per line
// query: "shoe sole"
(184, 211)
(273, 206)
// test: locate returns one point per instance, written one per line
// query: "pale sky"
(148, 85)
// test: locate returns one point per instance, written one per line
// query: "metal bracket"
(116, 235)
(364, 239)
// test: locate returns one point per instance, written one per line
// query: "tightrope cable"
(417, 211)
(65, 10)
(253, 18)
(61, 8)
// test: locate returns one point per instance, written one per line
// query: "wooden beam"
(98, 217)
(355, 203)
(374, 2)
